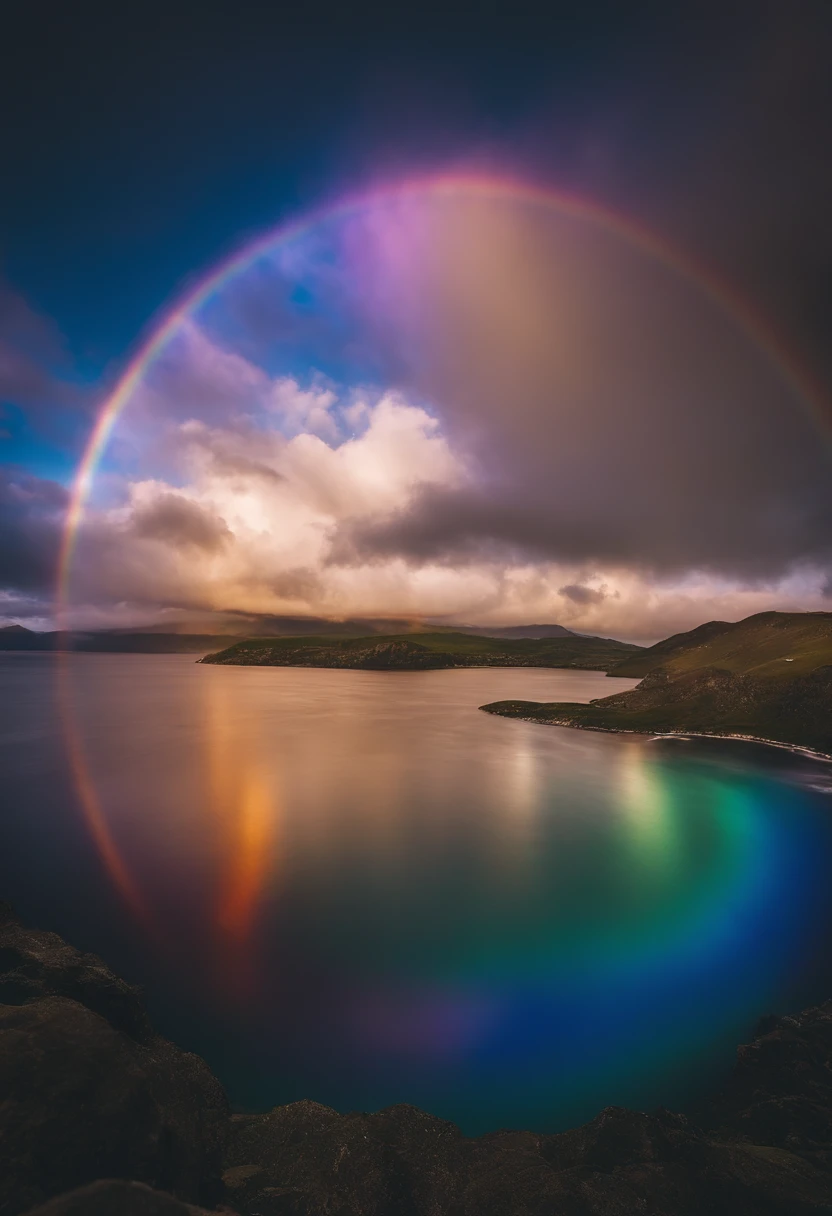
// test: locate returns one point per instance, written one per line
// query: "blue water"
(356, 887)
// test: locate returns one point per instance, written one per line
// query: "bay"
(358, 888)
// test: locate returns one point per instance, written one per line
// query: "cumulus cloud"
(304, 409)
(267, 535)
(255, 525)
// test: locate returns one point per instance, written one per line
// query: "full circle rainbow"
(739, 311)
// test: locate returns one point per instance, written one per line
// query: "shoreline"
(795, 748)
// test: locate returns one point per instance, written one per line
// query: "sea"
(358, 888)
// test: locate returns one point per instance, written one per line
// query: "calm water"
(355, 887)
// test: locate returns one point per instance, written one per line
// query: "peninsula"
(426, 651)
(768, 677)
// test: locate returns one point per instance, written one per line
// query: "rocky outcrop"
(780, 1092)
(307, 1160)
(88, 1089)
(92, 1099)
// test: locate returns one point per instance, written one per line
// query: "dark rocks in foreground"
(307, 1160)
(88, 1090)
(116, 1197)
(92, 1098)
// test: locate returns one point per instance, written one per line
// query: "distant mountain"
(308, 626)
(521, 631)
(767, 677)
(244, 626)
(416, 651)
(15, 637)
(116, 641)
(192, 636)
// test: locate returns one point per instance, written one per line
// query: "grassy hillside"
(770, 645)
(769, 676)
(415, 651)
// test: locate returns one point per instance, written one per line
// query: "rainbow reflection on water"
(357, 888)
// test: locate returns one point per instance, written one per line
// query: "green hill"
(766, 646)
(767, 677)
(432, 650)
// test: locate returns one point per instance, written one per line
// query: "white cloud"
(304, 409)
(263, 477)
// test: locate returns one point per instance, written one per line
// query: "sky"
(537, 328)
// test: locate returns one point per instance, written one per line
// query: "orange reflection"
(244, 806)
(249, 858)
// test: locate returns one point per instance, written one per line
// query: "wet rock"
(87, 1090)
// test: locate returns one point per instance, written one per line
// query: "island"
(426, 651)
(768, 677)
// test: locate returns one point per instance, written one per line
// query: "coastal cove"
(766, 679)
(354, 887)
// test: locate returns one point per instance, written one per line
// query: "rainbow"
(739, 311)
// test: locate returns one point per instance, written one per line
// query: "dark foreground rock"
(780, 1092)
(307, 1160)
(115, 1197)
(89, 1092)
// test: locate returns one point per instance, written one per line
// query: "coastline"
(795, 748)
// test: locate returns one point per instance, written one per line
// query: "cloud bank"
(490, 413)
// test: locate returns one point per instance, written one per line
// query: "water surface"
(358, 888)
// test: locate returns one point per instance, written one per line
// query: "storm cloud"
(31, 518)
(612, 409)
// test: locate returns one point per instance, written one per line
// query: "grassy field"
(768, 646)
(446, 649)
(768, 677)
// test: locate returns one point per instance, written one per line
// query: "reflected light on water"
(243, 802)
(251, 821)
(360, 889)
(646, 802)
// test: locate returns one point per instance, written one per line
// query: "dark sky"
(141, 143)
